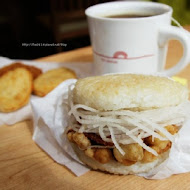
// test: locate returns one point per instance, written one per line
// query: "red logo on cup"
(120, 55)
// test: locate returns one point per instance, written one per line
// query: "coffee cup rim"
(90, 11)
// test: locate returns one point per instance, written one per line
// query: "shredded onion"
(126, 126)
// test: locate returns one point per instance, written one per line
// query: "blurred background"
(33, 29)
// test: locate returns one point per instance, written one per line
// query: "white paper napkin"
(50, 120)
(81, 69)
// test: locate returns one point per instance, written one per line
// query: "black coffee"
(129, 15)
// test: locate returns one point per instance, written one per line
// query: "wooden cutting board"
(23, 165)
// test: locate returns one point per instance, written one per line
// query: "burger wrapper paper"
(81, 69)
(51, 120)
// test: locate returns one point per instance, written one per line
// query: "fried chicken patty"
(133, 152)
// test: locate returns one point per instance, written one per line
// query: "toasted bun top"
(128, 91)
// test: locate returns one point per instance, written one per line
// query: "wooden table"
(23, 165)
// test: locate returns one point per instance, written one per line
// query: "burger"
(125, 123)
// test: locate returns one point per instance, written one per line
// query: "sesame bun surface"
(128, 91)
